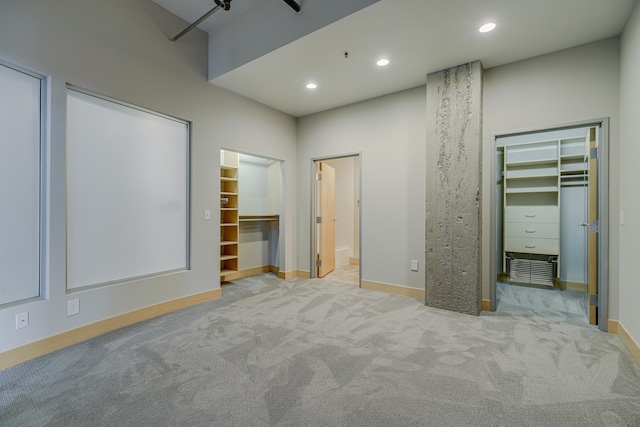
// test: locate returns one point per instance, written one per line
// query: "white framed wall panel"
(127, 192)
(20, 179)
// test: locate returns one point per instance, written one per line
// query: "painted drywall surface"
(252, 188)
(629, 155)
(258, 192)
(254, 246)
(273, 208)
(273, 188)
(390, 133)
(268, 26)
(120, 49)
(345, 201)
(453, 177)
(572, 85)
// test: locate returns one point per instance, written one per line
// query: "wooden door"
(593, 230)
(326, 186)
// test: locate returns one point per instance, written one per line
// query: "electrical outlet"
(414, 265)
(22, 320)
(73, 307)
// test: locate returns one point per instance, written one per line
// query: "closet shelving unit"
(534, 173)
(532, 211)
(229, 218)
(574, 161)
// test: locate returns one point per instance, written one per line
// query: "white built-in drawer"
(532, 245)
(532, 214)
(544, 230)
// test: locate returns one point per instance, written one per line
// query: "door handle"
(583, 224)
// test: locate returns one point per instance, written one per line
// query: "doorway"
(251, 211)
(336, 215)
(549, 220)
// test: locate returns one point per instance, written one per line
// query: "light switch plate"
(207, 215)
(414, 265)
(73, 307)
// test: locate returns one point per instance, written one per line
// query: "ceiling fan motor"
(224, 4)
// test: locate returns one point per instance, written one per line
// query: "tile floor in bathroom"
(348, 273)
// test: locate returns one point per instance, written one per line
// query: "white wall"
(572, 85)
(258, 194)
(273, 188)
(253, 33)
(390, 133)
(120, 48)
(254, 245)
(629, 155)
(253, 189)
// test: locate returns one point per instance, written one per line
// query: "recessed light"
(382, 62)
(311, 85)
(487, 27)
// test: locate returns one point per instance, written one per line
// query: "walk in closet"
(250, 204)
(544, 204)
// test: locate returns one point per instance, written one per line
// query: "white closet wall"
(258, 195)
(273, 187)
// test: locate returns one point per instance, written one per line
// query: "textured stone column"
(454, 155)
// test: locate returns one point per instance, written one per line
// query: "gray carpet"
(320, 353)
(526, 301)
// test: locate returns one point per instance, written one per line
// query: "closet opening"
(251, 211)
(336, 218)
(549, 222)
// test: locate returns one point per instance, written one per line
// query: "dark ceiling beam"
(294, 5)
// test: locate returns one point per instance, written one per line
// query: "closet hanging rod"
(244, 218)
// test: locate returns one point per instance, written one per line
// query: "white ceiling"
(191, 10)
(417, 36)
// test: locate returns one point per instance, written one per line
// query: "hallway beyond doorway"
(348, 273)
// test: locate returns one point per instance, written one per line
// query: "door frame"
(312, 269)
(603, 211)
